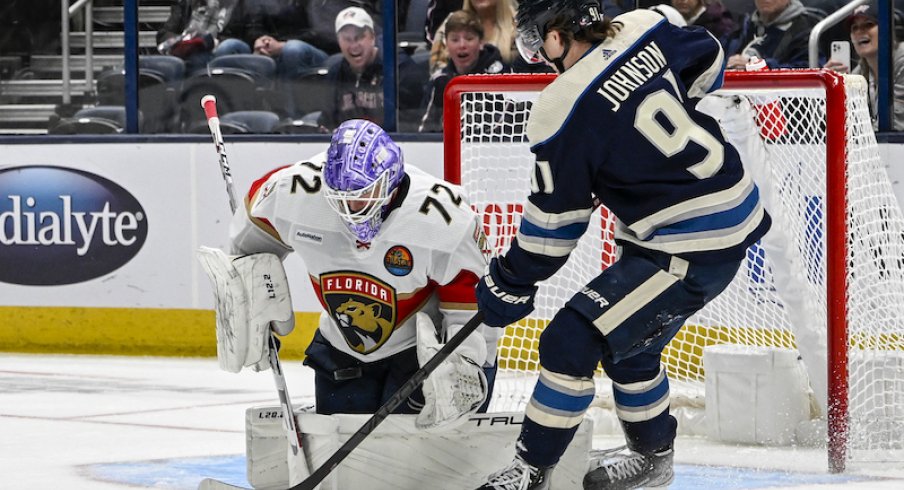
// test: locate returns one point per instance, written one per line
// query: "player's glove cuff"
(502, 302)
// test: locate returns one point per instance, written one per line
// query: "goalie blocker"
(251, 293)
(398, 454)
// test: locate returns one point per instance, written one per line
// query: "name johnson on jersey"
(636, 71)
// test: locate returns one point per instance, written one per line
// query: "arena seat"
(239, 82)
(242, 122)
(103, 119)
(159, 83)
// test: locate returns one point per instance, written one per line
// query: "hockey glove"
(251, 293)
(458, 386)
(502, 302)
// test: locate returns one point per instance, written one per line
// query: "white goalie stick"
(209, 103)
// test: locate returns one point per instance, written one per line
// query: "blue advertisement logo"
(64, 226)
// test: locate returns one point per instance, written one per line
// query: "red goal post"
(819, 126)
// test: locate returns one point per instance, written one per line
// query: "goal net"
(828, 280)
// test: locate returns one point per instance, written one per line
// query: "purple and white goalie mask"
(363, 167)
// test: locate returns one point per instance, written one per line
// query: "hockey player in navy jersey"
(619, 126)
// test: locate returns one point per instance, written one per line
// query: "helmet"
(363, 167)
(534, 17)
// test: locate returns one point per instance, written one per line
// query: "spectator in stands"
(357, 80)
(468, 54)
(29, 27)
(321, 15)
(278, 29)
(498, 20)
(864, 28)
(194, 28)
(437, 11)
(710, 14)
(777, 31)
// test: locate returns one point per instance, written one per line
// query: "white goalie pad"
(270, 462)
(251, 291)
(458, 386)
(399, 455)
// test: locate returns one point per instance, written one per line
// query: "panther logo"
(362, 306)
(361, 324)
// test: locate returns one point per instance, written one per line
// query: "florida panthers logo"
(363, 307)
(361, 323)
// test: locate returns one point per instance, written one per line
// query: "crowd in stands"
(329, 64)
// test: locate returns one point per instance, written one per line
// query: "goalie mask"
(363, 167)
(534, 17)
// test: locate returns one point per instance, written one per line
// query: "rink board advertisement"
(100, 239)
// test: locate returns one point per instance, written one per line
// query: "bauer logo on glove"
(504, 296)
(502, 302)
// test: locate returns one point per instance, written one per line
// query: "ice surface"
(99, 423)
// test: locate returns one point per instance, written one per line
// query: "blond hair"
(503, 35)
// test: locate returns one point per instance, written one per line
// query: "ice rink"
(85, 422)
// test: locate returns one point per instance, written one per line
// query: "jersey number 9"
(686, 130)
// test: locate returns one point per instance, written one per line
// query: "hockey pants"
(342, 384)
(623, 319)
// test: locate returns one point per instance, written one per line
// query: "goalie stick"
(209, 104)
(380, 415)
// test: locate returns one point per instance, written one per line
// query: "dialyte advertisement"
(64, 226)
(118, 225)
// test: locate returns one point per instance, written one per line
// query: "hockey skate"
(519, 476)
(624, 471)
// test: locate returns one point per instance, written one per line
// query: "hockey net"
(837, 293)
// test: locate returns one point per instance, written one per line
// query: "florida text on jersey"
(621, 125)
(425, 257)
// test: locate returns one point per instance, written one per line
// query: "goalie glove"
(458, 386)
(252, 294)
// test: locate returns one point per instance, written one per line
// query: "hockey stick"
(380, 415)
(209, 104)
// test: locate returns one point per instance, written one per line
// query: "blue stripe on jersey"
(716, 221)
(591, 87)
(557, 400)
(717, 83)
(642, 399)
(567, 232)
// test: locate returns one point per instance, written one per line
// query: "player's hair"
(596, 32)
(463, 20)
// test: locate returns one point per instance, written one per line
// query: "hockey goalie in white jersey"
(393, 255)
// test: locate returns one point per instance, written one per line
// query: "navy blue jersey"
(621, 125)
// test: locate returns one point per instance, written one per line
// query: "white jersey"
(428, 256)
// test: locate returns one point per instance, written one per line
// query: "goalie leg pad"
(270, 462)
(251, 291)
(458, 386)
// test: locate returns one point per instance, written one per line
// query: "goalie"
(393, 254)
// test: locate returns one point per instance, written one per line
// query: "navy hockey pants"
(623, 318)
(343, 384)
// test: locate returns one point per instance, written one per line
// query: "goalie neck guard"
(363, 168)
